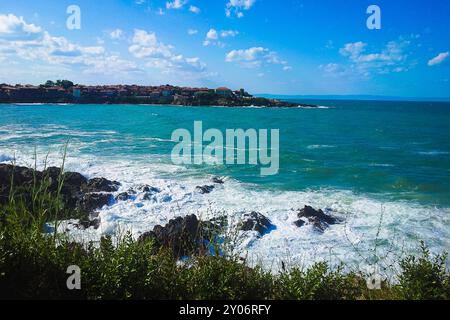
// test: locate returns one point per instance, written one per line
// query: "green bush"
(424, 278)
(318, 283)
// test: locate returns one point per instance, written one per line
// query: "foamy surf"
(403, 224)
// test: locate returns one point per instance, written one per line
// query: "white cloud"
(237, 6)
(191, 32)
(145, 45)
(438, 59)
(212, 34)
(255, 57)
(228, 33)
(64, 57)
(48, 50)
(211, 38)
(116, 34)
(15, 27)
(353, 50)
(176, 4)
(194, 9)
(392, 58)
(333, 70)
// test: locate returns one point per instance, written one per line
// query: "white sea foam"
(433, 152)
(404, 223)
(320, 146)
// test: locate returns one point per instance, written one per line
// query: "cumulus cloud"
(176, 4)
(392, 58)
(21, 40)
(194, 9)
(145, 45)
(228, 33)
(213, 36)
(237, 7)
(255, 57)
(191, 32)
(116, 34)
(15, 28)
(438, 59)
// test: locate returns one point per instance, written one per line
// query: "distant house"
(167, 93)
(76, 92)
(224, 92)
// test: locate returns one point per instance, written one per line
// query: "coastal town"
(64, 91)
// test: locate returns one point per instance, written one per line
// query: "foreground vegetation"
(33, 264)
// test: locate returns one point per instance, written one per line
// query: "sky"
(295, 47)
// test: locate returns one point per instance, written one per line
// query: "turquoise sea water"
(397, 150)
(352, 156)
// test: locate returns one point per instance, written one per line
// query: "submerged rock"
(317, 218)
(218, 180)
(86, 224)
(205, 189)
(124, 196)
(147, 188)
(256, 221)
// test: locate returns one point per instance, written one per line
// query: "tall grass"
(33, 264)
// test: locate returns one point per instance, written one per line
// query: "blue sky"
(266, 46)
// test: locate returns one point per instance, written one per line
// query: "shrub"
(424, 278)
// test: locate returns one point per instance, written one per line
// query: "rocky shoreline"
(83, 198)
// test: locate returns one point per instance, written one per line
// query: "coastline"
(67, 92)
(188, 251)
(294, 106)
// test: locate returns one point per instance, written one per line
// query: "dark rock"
(124, 196)
(90, 202)
(75, 191)
(180, 234)
(147, 196)
(220, 222)
(204, 189)
(299, 223)
(309, 212)
(214, 227)
(317, 218)
(86, 224)
(71, 181)
(147, 188)
(9, 174)
(102, 185)
(217, 180)
(147, 236)
(256, 221)
(74, 181)
(131, 191)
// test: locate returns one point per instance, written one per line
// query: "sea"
(382, 167)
